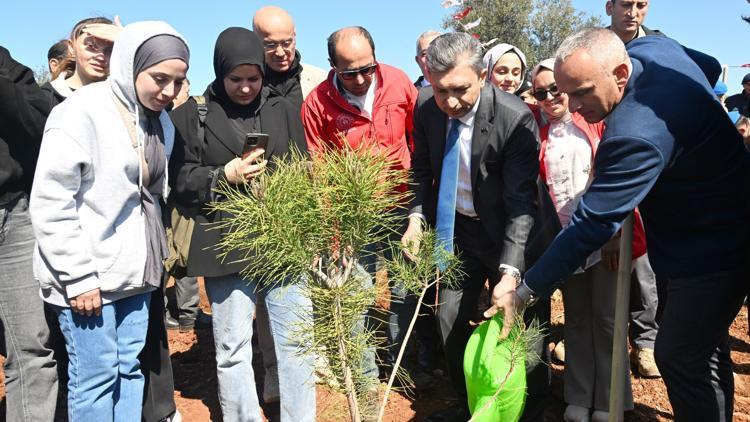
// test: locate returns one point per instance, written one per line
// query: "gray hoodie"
(85, 202)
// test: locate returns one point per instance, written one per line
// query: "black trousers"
(158, 391)
(692, 349)
(479, 261)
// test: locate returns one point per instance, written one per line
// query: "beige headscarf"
(548, 64)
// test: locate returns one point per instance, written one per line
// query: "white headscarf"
(493, 55)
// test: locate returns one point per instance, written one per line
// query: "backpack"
(180, 232)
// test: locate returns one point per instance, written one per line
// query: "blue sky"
(30, 28)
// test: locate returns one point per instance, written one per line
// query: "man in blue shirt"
(670, 149)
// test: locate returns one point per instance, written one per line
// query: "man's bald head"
(603, 45)
(592, 67)
(275, 27)
(353, 36)
(351, 53)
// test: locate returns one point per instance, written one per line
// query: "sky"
(29, 29)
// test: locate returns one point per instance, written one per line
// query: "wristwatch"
(511, 271)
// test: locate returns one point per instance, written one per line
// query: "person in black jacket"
(30, 370)
(740, 100)
(237, 104)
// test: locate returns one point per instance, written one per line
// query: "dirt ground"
(195, 383)
(196, 387)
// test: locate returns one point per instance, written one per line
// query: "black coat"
(195, 164)
(23, 112)
(508, 197)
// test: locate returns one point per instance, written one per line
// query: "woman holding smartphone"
(208, 151)
(95, 210)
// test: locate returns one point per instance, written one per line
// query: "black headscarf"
(235, 46)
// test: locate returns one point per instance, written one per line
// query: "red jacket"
(593, 132)
(326, 114)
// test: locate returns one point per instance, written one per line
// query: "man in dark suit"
(670, 149)
(474, 178)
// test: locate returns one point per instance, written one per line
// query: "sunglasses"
(541, 94)
(349, 75)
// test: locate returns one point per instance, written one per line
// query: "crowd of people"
(526, 173)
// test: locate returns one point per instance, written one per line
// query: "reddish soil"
(195, 384)
(196, 388)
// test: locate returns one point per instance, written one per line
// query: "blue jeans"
(233, 301)
(30, 370)
(106, 383)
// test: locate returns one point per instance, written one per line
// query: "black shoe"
(455, 413)
(171, 323)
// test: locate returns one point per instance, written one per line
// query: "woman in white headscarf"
(95, 209)
(506, 67)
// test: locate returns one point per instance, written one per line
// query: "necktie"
(446, 206)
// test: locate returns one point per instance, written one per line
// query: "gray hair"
(449, 50)
(425, 34)
(603, 45)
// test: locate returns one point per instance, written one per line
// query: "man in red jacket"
(362, 99)
(366, 102)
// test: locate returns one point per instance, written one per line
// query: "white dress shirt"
(464, 197)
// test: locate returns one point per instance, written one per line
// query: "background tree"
(537, 27)
(551, 22)
(42, 75)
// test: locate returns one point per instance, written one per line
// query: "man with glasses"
(285, 74)
(370, 103)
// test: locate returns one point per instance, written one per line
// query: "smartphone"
(254, 141)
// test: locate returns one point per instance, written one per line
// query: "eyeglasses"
(273, 45)
(541, 94)
(349, 75)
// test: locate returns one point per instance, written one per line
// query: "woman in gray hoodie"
(96, 216)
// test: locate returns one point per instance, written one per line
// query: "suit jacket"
(504, 171)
